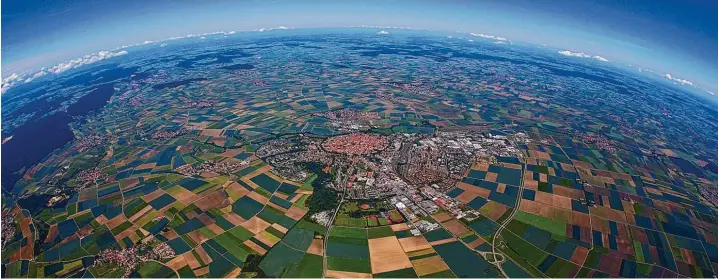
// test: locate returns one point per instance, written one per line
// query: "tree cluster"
(323, 197)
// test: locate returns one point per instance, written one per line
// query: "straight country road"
(329, 226)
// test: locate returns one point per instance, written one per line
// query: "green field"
(280, 258)
(346, 247)
(352, 265)
(348, 232)
(401, 273)
(155, 270)
(350, 222)
(552, 226)
(309, 267)
(525, 254)
(298, 238)
(307, 185)
(561, 268)
(380, 232)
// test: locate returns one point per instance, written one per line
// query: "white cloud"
(678, 80)
(270, 29)
(600, 58)
(582, 55)
(709, 92)
(26, 77)
(684, 82)
(5, 88)
(490, 37)
(574, 54)
(36, 75)
(381, 27)
(87, 59)
(16, 78)
(11, 78)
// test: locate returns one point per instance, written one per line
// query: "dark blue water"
(97, 74)
(31, 143)
(42, 135)
(35, 140)
(95, 100)
(40, 107)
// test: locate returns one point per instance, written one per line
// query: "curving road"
(503, 224)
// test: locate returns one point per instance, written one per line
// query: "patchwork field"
(209, 159)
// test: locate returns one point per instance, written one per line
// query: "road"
(326, 236)
(329, 227)
(497, 257)
(503, 224)
(484, 254)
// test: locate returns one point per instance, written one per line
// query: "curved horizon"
(677, 44)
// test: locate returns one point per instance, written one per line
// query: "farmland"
(405, 156)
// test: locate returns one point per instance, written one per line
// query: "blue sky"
(676, 37)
